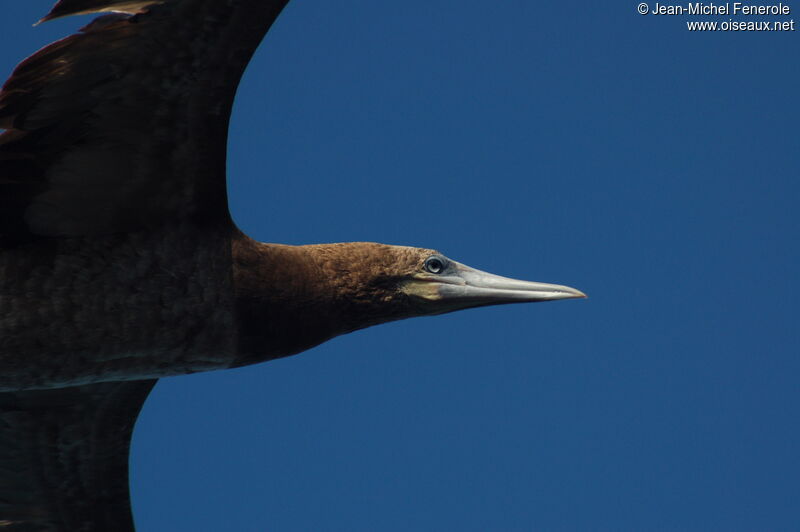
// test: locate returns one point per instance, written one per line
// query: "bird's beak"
(464, 287)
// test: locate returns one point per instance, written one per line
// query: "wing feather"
(65, 8)
(123, 126)
(64, 457)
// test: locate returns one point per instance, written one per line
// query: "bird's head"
(399, 282)
(290, 298)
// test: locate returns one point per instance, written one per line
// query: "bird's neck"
(292, 298)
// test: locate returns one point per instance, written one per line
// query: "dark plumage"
(119, 263)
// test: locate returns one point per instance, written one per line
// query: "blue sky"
(584, 144)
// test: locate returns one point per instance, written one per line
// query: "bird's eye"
(434, 264)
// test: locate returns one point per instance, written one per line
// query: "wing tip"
(67, 8)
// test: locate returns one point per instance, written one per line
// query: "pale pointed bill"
(468, 285)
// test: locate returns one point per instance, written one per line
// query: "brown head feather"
(291, 298)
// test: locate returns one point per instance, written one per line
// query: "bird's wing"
(123, 125)
(64, 457)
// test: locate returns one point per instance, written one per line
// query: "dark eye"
(434, 264)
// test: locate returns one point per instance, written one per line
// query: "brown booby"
(119, 262)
